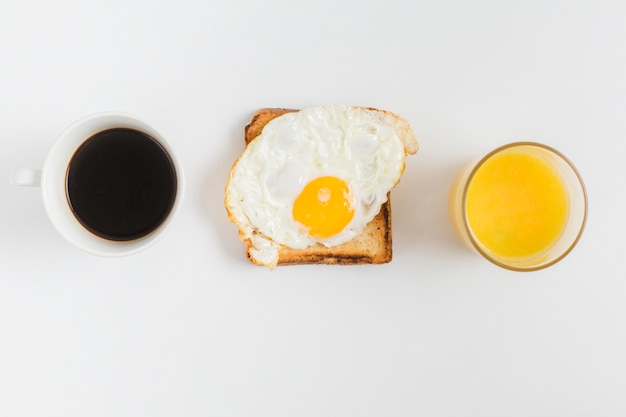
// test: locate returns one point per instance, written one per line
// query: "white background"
(190, 328)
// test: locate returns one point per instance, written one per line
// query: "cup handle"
(26, 177)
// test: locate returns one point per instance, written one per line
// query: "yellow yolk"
(324, 207)
(517, 205)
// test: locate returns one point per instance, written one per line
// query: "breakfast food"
(312, 186)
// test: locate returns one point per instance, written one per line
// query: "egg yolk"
(324, 207)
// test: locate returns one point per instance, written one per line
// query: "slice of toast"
(372, 246)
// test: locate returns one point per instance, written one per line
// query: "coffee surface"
(121, 184)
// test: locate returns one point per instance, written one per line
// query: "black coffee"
(121, 184)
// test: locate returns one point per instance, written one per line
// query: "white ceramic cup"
(52, 181)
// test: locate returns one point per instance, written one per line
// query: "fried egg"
(316, 176)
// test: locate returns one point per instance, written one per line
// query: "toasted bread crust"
(260, 119)
(372, 246)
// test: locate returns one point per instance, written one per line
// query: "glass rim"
(468, 229)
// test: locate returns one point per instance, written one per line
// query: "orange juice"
(517, 204)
